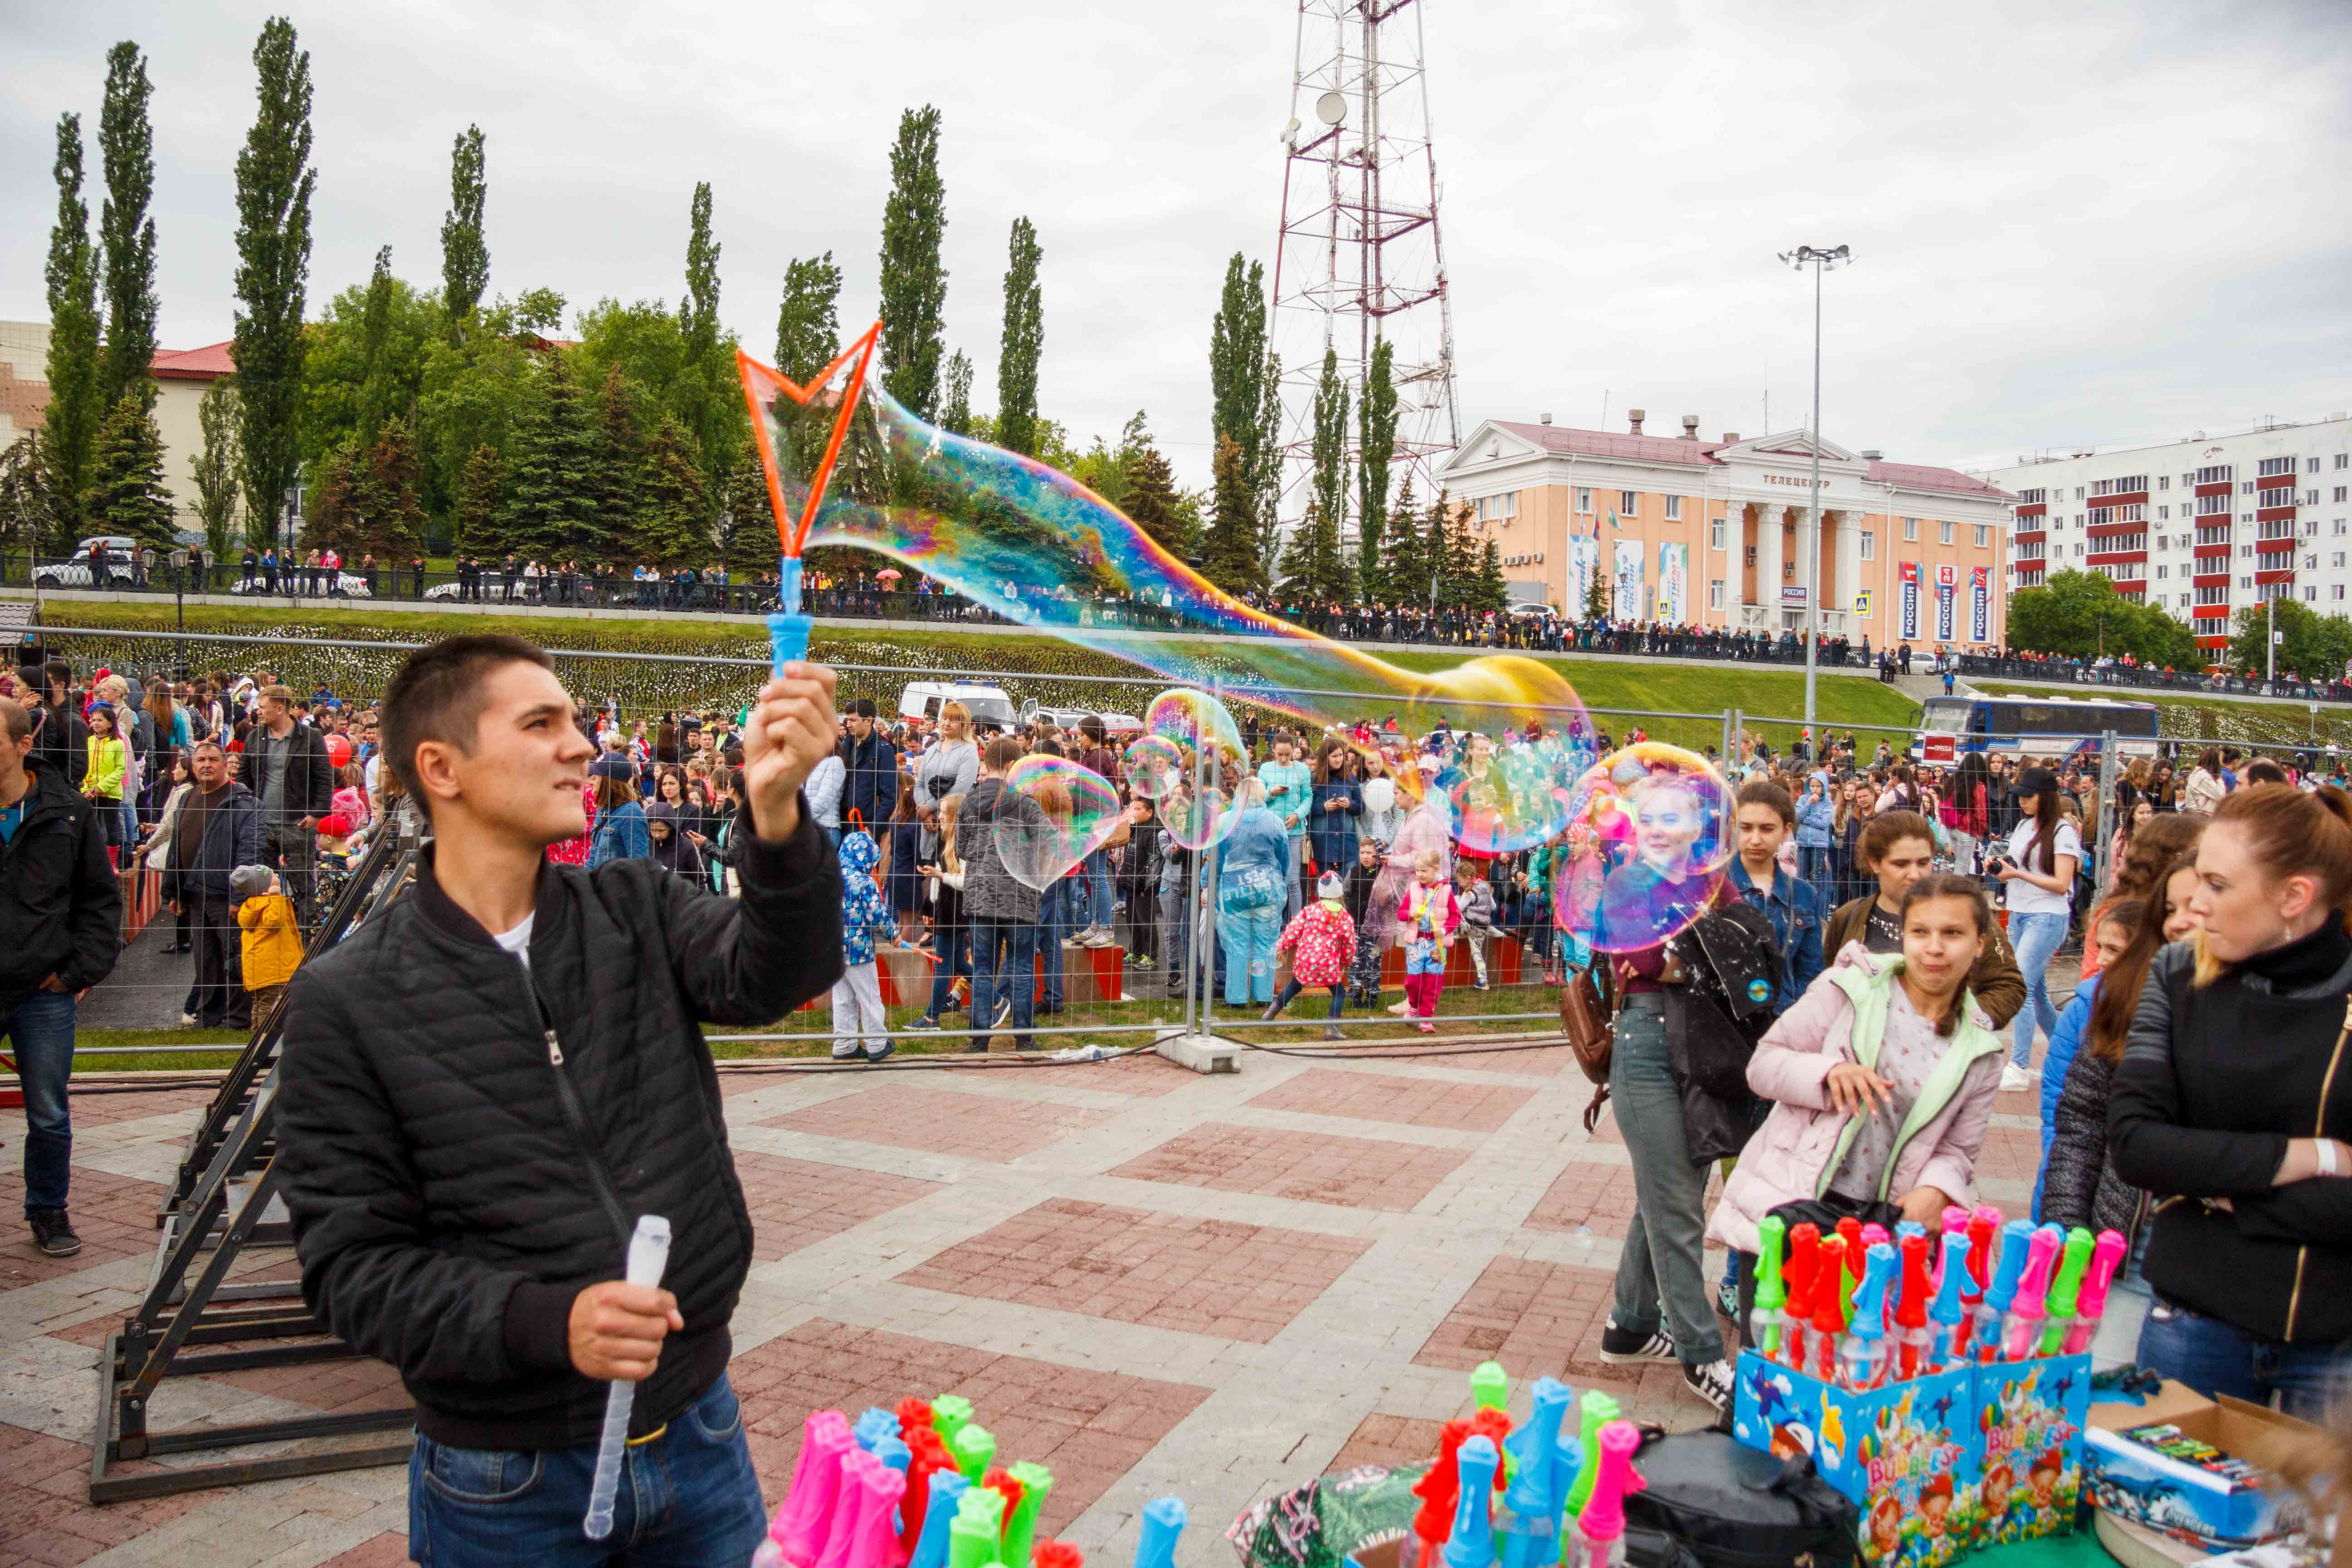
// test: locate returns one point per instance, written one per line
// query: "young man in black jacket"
(59, 935)
(489, 1084)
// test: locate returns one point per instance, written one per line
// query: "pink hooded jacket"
(1805, 1138)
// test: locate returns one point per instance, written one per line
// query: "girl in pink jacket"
(1321, 942)
(1882, 1076)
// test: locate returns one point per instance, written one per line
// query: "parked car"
(1116, 726)
(120, 563)
(351, 584)
(991, 708)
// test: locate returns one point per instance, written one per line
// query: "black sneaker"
(924, 1022)
(53, 1233)
(1625, 1345)
(1710, 1380)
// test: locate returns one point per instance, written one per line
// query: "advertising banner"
(1980, 603)
(1673, 584)
(1630, 605)
(1906, 619)
(1583, 565)
(1947, 591)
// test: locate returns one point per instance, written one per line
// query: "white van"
(990, 708)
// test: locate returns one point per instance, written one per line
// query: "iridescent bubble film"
(1040, 549)
(1153, 765)
(1648, 842)
(1077, 810)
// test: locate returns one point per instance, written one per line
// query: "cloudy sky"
(2074, 223)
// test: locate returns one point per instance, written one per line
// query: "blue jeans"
(1053, 921)
(2036, 939)
(1004, 964)
(688, 1496)
(1096, 907)
(1248, 938)
(40, 1031)
(1813, 866)
(1662, 1260)
(955, 958)
(1297, 899)
(2216, 1358)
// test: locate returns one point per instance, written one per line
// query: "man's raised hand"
(793, 728)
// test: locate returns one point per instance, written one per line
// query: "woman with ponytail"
(2039, 872)
(2232, 1102)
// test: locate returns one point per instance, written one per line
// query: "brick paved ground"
(1148, 1281)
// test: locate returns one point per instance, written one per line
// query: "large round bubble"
(1648, 842)
(1054, 813)
(1197, 815)
(1188, 718)
(1153, 765)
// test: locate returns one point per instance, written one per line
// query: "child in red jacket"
(1321, 942)
(1430, 914)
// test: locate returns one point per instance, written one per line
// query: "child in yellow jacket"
(272, 945)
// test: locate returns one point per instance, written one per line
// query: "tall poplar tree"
(1237, 353)
(914, 280)
(465, 252)
(955, 410)
(126, 148)
(69, 428)
(1231, 554)
(1025, 337)
(808, 323)
(274, 184)
(376, 370)
(216, 465)
(1330, 457)
(1376, 450)
(703, 397)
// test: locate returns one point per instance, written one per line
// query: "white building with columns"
(1711, 534)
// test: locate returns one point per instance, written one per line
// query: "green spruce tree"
(69, 428)
(127, 494)
(1152, 498)
(1376, 450)
(1025, 338)
(1493, 594)
(387, 481)
(808, 323)
(550, 487)
(1230, 555)
(1385, 582)
(331, 501)
(621, 460)
(673, 507)
(25, 507)
(474, 519)
(914, 280)
(465, 249)
(274, 184)
(126, 144)
(216, 465)
(747, 539)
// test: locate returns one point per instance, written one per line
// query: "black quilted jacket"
(2079, 1184)
(449, 1203)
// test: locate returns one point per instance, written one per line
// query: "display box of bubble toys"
(1978, 1456)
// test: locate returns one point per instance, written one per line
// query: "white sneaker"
(2014, 1077)
(187, 1020)
(1711, 1381)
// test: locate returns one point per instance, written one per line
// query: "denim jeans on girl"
(2216, 1358)
(2036, 939)
(1662, 1258)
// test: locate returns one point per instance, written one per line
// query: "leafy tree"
(551, 491)
(1376, 448)
(1492, 593)
(126, 476)
(375, 339)
(386, 479)
(705, 396)
(216, 465)
(673, 510)
(1231, 557)
(1152, 498)
(25, 500)
(1264, 466)
(1331, 447)
(955, 412)
(622, 453)
(69, 428)
(274, 184)
(331, 501)
(1237, 353)
(465, 251)
(538, 311)
(1025, 338)
(2311, 644)
(914, 280)
(808, 325)
(364, 362)
(2079, 615)
(470, 392)
(126, 145)
(1596, 594)
(473, 522)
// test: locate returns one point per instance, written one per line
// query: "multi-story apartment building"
(2202, 527)
(1710, 532)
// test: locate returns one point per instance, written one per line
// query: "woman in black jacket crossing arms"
(2232, 1103)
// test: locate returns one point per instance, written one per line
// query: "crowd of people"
(1899, 916)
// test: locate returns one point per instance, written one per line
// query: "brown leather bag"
(1591, 1025)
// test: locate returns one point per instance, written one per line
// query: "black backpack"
(1711, 1501)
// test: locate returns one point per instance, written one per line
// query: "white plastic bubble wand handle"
(648, 1255)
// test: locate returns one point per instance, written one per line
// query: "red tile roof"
(207, 363)
(1698, 453)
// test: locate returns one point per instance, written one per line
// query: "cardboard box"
(2029, 1421)
(2181, 1499)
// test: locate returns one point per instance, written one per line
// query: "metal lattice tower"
(1359, 258)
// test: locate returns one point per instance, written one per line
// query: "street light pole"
(1820, 260)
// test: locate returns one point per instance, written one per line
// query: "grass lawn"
(1458, 1007)
(1025, 663)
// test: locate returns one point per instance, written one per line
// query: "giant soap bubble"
(1054, 813)
(1649, 842)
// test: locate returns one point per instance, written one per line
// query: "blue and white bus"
(2013, 726)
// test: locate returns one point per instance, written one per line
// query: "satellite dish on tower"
(1331, 108)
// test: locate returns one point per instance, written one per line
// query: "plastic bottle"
(1803, 1272)
(2015, 1237)
(2021, 1326)
(1595, 1411)
(1910, 1314)
(1437, 1492)
(1601, 1526)
(1984, 1224)
(1829, 1307)
(2066, 1289)
(1861, 1360)
(1531, 1503)
(1471, 1543)
(1163, 1521)
(1771, 1289)
(2107, 1256)
(1952, 1285)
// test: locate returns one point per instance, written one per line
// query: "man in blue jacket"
(870, 764)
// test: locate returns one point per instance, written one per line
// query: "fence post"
(2099, 815)
(1730, 729)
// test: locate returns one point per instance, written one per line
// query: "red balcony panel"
(2264, 579)
(2224, 488)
